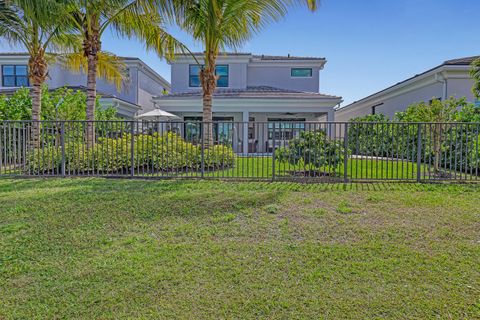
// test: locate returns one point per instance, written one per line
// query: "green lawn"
(262, 167)
(109, 249)
(357, 169)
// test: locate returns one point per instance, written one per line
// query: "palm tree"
(221, 24)
(33, 25)
(140, 19)
(37, 26)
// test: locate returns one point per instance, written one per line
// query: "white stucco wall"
(460, 88)
(243, 74)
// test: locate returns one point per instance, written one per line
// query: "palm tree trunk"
(36, 94)
(91, 47)
(207, 119)
(37, 70)
(91, 98)
(209, 84)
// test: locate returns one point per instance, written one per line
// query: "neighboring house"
(135, 97)
(251, 88)
(450, 79)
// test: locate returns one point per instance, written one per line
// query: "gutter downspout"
(440, 77)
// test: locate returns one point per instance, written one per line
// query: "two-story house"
(251, 88)
(135, 96)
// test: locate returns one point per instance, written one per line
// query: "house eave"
(252, 104)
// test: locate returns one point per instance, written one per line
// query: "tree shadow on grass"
(172, 185)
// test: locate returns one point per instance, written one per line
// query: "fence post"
(345, 154)
(273, 152)
(132, 149)
(419, 151)
(62, 144)
(202, 150)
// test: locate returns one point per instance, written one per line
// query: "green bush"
(457, 145)
(312, 149)
(219, 157)
(370, 135)
(169, 152)
(58, 104)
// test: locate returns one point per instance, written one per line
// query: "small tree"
(475, 74)
(438, 112)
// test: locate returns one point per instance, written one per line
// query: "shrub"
(169, 152)
(370, 135)
(219, 156)
(312, 149)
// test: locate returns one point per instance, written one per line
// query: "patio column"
(245, 118)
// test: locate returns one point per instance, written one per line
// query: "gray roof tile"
(461, 61)
(253, 92)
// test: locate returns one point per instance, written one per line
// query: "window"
(222, 129)
(301, 72)
(220, 70)
(14, 76)
(477, 103)
(285, 129)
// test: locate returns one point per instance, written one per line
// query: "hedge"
(169, 152)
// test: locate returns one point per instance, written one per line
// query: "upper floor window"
(221, 71)
(14, 76)
(301, 72)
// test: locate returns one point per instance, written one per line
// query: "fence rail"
(280, 150)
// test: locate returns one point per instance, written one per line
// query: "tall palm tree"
(33, 25)
(140, 19)
(38, 27)
(221, 24)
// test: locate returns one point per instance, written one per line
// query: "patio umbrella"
(158, 115)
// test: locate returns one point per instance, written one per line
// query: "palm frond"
(143, 22)
(110, 67)
(229, 23)
(65, 42)
(12, 28)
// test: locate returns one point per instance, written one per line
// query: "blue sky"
(369, 44)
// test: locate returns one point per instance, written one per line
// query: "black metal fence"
(284, 150)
